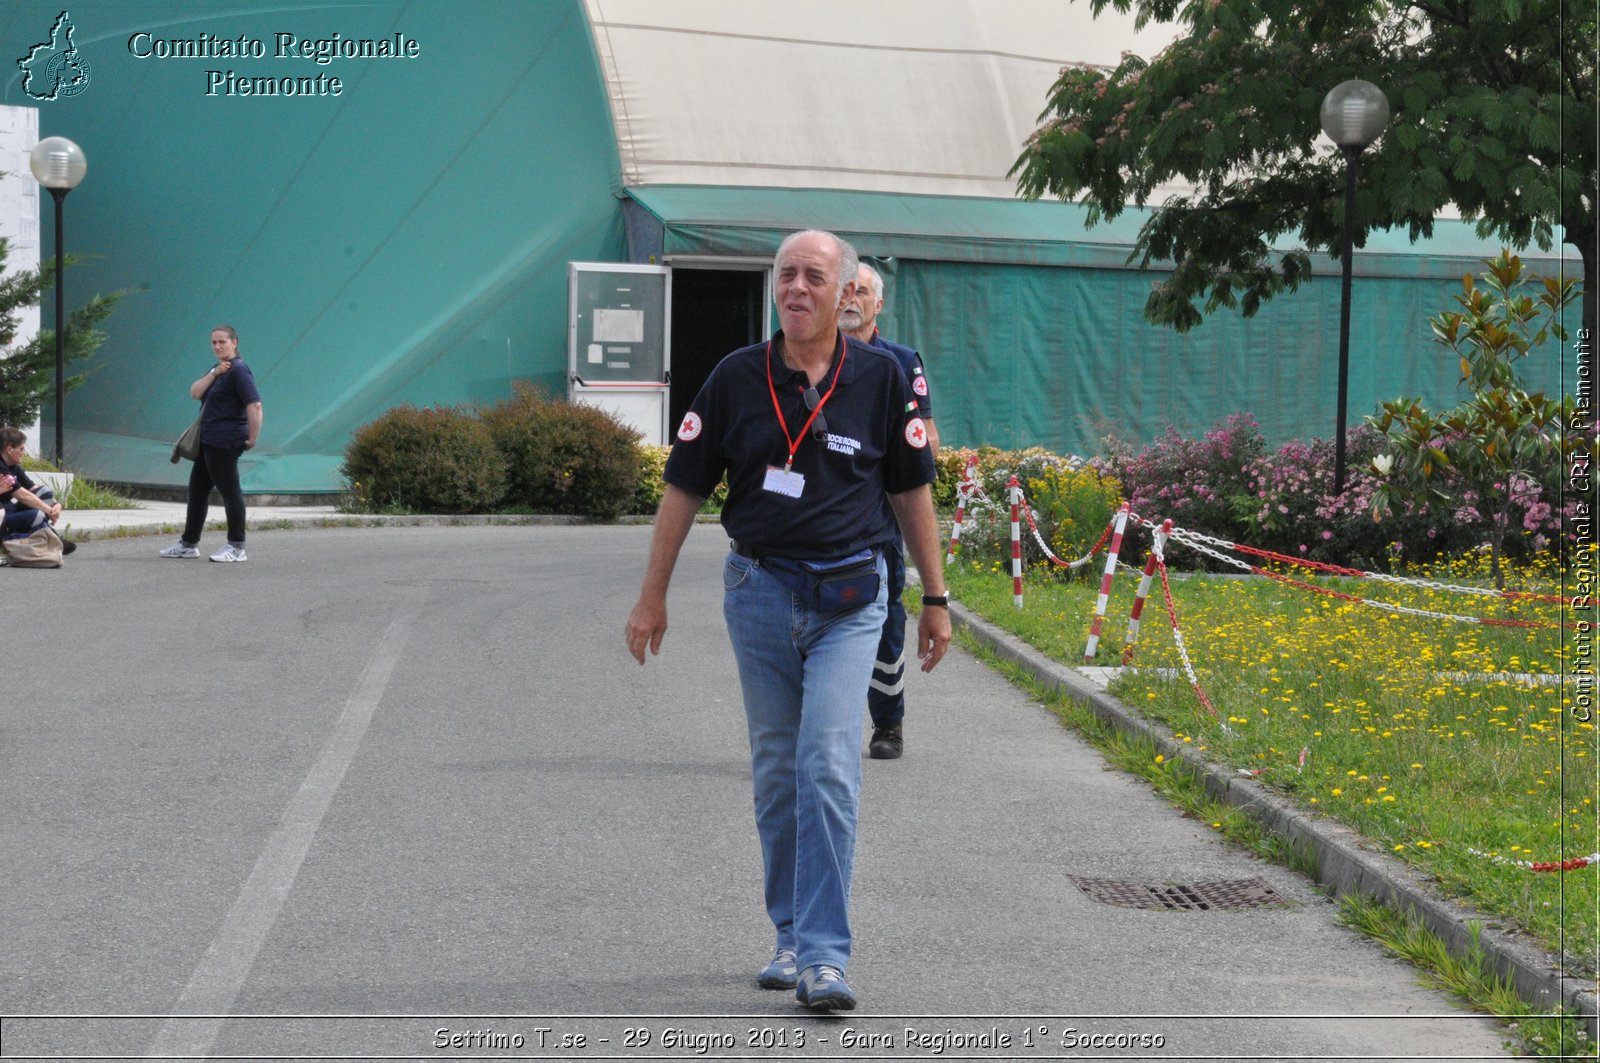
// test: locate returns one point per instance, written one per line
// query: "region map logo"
(55, 68)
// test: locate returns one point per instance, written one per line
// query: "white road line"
(227, 962)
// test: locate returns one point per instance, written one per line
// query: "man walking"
(886, 693)
(814, 432)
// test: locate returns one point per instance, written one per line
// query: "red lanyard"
(795, 441)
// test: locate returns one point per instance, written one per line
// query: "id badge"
(784, 482)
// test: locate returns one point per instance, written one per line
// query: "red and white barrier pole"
(1105, 585)
(1015, 490)
(969, 481)
(1144, 590)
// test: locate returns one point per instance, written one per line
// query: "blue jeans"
(22, 520)
(802, 673)
(886, 694)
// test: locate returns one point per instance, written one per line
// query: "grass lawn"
(1425, 734)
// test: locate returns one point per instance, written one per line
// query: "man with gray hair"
(886, 693)
(823, 452)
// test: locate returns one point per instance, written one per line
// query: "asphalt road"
(376, 784)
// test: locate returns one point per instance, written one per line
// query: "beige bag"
(41, 549)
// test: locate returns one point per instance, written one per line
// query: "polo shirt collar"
(781, 370)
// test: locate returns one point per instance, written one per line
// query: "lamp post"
(1353, 116)
(59, 165)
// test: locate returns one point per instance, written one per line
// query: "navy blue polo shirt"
(24, 481)
(875, 443)
(911, 362)
(223, 422)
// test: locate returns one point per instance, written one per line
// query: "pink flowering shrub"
(1192, 481)
(1229, 485)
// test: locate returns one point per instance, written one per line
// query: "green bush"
(652, 462)
(950, 466)
(565, 457)
(429, 461)
(647, 496)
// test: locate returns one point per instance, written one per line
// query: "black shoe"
(887, 743)
(67, 546)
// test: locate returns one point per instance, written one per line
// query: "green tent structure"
(447, 223)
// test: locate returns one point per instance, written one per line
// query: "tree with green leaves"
(27, 372)
(1492, 109)
(1501, 448)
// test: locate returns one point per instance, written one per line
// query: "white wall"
(19, 214)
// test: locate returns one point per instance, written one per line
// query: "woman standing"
(230, 424)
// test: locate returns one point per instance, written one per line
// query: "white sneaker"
(181, 549)
(229, 553)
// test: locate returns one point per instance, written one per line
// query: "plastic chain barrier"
(1120, 526)
(1541, 865)
(1049, 554)
(1380, 577)
(1014, 489)
(968, 487)
(1177, 635)
(1199, 543)
(1144, 591)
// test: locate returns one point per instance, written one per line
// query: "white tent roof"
(911, 96)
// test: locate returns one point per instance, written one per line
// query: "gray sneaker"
(230, 552)
(181, 549)
(780, 973)
(823, 988)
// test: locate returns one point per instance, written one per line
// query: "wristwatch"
(936, 599)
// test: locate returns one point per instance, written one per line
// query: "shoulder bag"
(188, 444)
(39, 549)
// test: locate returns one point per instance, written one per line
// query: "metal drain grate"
(1224, 895)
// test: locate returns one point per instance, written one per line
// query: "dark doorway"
(714, 312)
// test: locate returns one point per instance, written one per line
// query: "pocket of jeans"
(735, 572)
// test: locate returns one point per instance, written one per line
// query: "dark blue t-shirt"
(223, 422)
(911, 363)
(875, 443)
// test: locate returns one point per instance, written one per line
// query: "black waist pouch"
(830, 586)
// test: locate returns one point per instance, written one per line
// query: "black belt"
(756, 553)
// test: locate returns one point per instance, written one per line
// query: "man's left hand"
(933, 635)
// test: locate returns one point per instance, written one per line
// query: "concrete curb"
(1345, 861)
(280, 520)
(90, 525)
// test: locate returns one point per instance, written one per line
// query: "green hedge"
(564, 457)
(427, 461)
(529, 453)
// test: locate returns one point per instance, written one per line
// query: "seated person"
(28, 505)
